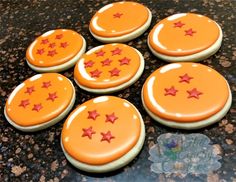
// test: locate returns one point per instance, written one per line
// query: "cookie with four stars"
(39, 102)
(120, 22)
(103, 134)
(108, 68)
(185, 37)
(186, 95)
(55, 50)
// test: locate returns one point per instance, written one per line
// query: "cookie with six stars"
(108, 68)
(55, 50)
(186, 95)
(103, 134)
(185, 37)
(120, 22)
(39, 102)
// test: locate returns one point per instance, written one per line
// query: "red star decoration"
(171, 91)
(29, 90)
(24, 103)
(124, 61)
(117, 15)
(189, 32)
(88, 132)
(52, 45)
(46, 84)
(107, 136)
(64, 44)
(93, 115)
(185, 78)
(111, 118)
(88, 64)
(100, 53)
(59, 36)
(116, 51)
(52, 96)
(52, 53)
(115, 72)
(178, 24)
(106, 62)
(37, 107)
(40, 51)
(96, 73)
(44, 41)
(194, 93)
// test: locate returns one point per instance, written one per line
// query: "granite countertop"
(38, 156)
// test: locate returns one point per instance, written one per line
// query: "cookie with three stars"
(103, 134)
(185, 37)
(108, 68)
(55, 50)
(39, 102)
(120, 22)
(186, 95)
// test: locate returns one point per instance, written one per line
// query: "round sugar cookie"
(185, 37)
(55, 50)
(103, 134)
(108, 68)
(120, 22)
(39, 102)
(186, 95)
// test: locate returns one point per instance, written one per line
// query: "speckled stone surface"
(38, 156)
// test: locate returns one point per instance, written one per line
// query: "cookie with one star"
(103, 134)
(55, 50)
(185, 37)
(186, 95)
(39, 102)
(120, 22)
(108, 68)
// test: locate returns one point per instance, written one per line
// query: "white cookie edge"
(119, 163)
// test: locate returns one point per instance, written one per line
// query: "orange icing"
(184, 36)
(40, 100)
(105, 70)
(185, 92)
(125, 130)
(56, 48)
(119, 19)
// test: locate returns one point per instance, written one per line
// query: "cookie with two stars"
(40, 102)
(55, 50)
(186, 95)
(185, 37)
(103, 134)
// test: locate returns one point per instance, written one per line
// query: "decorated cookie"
(55, 50)
(185, 37)
(120, 22)
(186, 95)
(103, 134)
(39, 102)
(108, 68)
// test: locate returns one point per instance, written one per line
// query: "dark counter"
(38, 156)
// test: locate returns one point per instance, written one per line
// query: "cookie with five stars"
(108, 68)
(39, 102)
(120, 22)
(185, 37)
(55, 50)
(103, 134)
(186, 95)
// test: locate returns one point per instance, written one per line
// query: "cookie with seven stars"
(186, 95)
(120, 22)
(55, 50)
(108, 68)
(185, 37)
(39, 102)
(103, 134)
